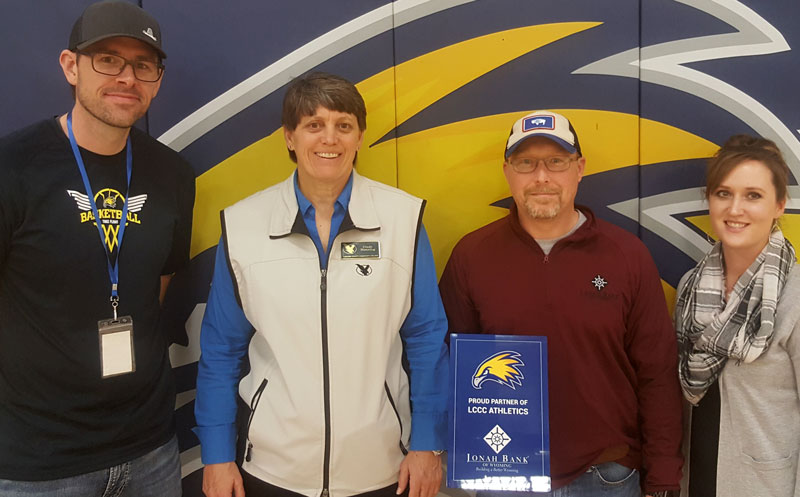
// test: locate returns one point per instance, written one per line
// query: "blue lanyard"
(113, 270)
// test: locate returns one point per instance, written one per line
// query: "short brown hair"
(308, 92)
(740, 148)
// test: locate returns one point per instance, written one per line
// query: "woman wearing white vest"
(326, 284)
(738, 323)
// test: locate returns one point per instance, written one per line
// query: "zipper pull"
(325, 492)
(249, 455)
(546, 258)
(323, 286)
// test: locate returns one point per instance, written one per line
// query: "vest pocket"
(403, 448)
(253, 404)
(770, 464)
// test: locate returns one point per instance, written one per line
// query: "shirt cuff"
(428, 431)
(217, 443)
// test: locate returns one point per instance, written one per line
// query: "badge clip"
(114, 303)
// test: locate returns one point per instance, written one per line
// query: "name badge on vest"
(116, 346)
(361, 250)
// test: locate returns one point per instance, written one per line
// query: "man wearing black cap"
(552, 268)
(95, 216)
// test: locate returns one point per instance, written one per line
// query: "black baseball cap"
(112, 18)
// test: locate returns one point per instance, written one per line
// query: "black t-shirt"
(58, 416)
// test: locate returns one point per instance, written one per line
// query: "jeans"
(155, 474)
(607, 479)
(603, 480)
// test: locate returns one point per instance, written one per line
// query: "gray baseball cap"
(112, 18)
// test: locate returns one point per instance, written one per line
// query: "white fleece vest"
(326, 355)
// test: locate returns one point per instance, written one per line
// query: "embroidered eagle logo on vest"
(502, 367)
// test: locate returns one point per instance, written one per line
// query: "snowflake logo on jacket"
(599, 282)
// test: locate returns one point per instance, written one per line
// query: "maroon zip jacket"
(598, 299)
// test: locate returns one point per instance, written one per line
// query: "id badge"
(116, 346)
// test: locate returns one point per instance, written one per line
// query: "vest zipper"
(253, 404)
(399, 421)
(325, 382)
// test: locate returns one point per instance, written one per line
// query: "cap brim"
(143, 39)
(563, 144)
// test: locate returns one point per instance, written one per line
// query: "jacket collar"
(286, 218)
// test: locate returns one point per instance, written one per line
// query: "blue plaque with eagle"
(499, 423)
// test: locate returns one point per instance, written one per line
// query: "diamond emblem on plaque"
(497, 439)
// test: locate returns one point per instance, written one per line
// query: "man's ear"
(69, 64)
(581, 167)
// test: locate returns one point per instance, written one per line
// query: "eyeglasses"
(113, 65)
(553, 164)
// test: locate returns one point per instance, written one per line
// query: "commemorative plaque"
(499, 424)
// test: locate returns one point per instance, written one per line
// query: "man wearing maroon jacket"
(552, 268)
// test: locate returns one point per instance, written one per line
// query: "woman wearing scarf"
(738, 324)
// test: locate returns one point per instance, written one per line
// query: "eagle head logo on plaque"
(502, 367)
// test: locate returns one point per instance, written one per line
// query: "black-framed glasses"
(112, 65)
(553, 164)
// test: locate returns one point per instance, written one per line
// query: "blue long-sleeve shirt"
(226, 333)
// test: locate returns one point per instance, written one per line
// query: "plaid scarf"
(710, 330)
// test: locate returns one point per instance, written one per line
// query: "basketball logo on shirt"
(109, 204)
